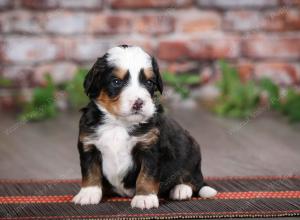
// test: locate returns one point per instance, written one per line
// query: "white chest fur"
(115, 145)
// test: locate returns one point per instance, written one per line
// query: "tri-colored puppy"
(127, 144)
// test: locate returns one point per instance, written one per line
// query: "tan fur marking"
(93, 177)
(146, 184)
(120, 73)
(82, 139)
(111, 105)
(148, 73)
(87, 147)
(149, 138)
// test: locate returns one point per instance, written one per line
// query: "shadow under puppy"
(127, 144)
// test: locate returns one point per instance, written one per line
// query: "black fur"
(155, 68)
(173, 159)
(95, 78)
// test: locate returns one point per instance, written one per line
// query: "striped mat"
(237, 197)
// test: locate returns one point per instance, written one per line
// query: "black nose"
(138, 104)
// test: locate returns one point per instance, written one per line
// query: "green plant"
(75, 91)
(291, 106)
(181, 82)
(237, 99)
(5, 82)
(273, 92)
(291, 103)
(240, 99)
(42, 105)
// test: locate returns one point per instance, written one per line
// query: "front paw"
(88, 195)
(145, 201)
(181, 192)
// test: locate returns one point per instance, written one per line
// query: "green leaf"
(237, 99)
(75, 91)
(5, 82)
(291, 106)
(273, 92)
(181, 82)
(42, 105)
(188, 79)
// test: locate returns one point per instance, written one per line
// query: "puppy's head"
(123, 82)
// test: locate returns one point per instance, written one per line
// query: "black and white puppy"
(127, 144)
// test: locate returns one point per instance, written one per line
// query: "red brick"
(60, 72)
(172, 50)
(262, 46)
(21, 22)
(233, 4)
(154, 24)
(6, 4)
(7, 103)
(282, 20)
(117, 24)
(69, 23)
(68, 4)
(66, 45)
(109, 24)
(2, 52)
(242, 20)
(88, 49)
(20, 75)
(207, 74)
(198, 21)
(290, 2)
(137, 4)
(39, 4)
(180, 67)
(204, 48)
(80, 4)
(66, 22)
(214, 48)
(30, 50)
(279, 72)
(245, 70)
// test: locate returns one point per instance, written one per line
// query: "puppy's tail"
(207, 191)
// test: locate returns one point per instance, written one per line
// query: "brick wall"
(261, 37)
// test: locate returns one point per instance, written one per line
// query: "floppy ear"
(159, 82)
(93, 80)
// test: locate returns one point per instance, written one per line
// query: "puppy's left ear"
(93, 80)
(159, 82)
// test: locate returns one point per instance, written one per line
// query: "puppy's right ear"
(93, 80)
(159, 82)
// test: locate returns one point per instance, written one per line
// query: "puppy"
(127, 145)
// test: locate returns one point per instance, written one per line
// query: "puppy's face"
(123, 83)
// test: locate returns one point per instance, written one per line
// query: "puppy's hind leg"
(201, 187)
(207, 192)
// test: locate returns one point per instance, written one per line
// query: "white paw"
(207, 192)
(181, 192)
(145, 201)
(88, 195)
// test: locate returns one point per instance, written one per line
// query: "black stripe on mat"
(222, 185)
(170, 209)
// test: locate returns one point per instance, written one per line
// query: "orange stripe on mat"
(221, 195)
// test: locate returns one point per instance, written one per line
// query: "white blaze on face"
(133, 59)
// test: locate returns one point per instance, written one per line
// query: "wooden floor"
(265, 145)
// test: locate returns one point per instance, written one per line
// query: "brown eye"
(116, 83)
(149, 83)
